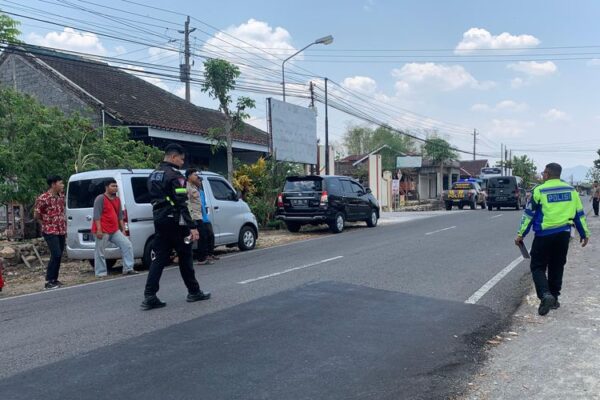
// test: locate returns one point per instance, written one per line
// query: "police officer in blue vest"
(174, 227)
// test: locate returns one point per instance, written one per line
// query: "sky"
(523, 74)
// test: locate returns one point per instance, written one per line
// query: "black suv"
(506, 191)
(332, 200)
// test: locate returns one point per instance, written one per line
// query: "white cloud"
(595, 62)
(502, 106)
(555, 115)
(69, 39)
(534, 68)
(439, 76)
(120, 50)
(478, 38)
(363, 84)
(509, 128)
(369, 4)
(517, 83)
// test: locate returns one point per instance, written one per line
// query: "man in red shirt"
(50, 211)
(108, 226)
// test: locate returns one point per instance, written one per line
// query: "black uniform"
(172, 223)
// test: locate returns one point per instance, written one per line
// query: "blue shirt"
(205, 217)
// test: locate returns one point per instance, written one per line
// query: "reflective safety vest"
(554, 207)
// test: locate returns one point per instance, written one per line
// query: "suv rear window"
(501, 182)
(81, 194)
(303, 185)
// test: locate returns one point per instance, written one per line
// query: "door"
(224, 210)
(363, 208)
(348, 199)
(80, 209)
(136, 201)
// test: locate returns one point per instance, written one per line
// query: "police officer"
(174, 228)
(554, 206)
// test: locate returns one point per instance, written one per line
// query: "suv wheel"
(338, 223)
(293, 226)
(372, 222)
(247, 239)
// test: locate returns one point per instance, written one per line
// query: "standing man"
(197, 211)
(50, 211)
(596, 198)
(175, 228)
(554, 205)
(207, 234)
(108, 226)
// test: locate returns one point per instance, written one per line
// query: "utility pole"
(312, 95)
(185, 68)
(510, 161)
(326, 132)
(502, 158)
(505, 160)
(474, 142)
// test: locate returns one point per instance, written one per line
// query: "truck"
(464, 193)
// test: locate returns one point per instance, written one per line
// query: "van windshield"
(81, 194)
(303, 185)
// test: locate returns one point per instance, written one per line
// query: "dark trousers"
(56, 245)
(206, 245)
(596, 205)
(549, 253)
(168, 238)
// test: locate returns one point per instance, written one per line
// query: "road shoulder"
(552, 357)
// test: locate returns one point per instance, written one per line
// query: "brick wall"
(27, 77)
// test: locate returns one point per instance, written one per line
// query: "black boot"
(548, 301)
(152, 302)
(198, 296)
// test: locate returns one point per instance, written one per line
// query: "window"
(139, 185)
(357, 189)
(347, 186)
(334, 186)
(81, 194)
(221, 190)
(305, 185)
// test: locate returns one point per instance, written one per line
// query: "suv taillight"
(324, 199)
(126, 222)
(280, 200)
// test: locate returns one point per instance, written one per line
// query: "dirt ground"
(22, 280)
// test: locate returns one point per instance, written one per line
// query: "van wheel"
(149, 254)
(293, 226)
(338, 223)
(109, 263)
(247, 239)
(372, 222)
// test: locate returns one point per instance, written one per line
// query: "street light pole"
(324, 40)
(326, 131)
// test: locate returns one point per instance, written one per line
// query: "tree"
(440, 151)
(219, 81)
(360, 140)
(36, 141)
(8, 29)
(597, 162)
(593, 175)
(525, 168)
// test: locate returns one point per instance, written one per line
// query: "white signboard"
(395, 186)
(409, 162)
(294, 132)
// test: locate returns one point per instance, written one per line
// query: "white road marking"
(439, 230)
(492, 282)
(290, 270)
(497, 216)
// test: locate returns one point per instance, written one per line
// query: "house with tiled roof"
(109, 95)
(472, 168)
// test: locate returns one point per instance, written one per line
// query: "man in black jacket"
(175, 229)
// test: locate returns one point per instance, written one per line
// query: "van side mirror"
(368, 190)
(238, 195)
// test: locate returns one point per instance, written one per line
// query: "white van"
(233, 222)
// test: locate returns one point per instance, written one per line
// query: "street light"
(324, 40)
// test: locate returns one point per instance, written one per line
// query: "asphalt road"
(399, 311)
